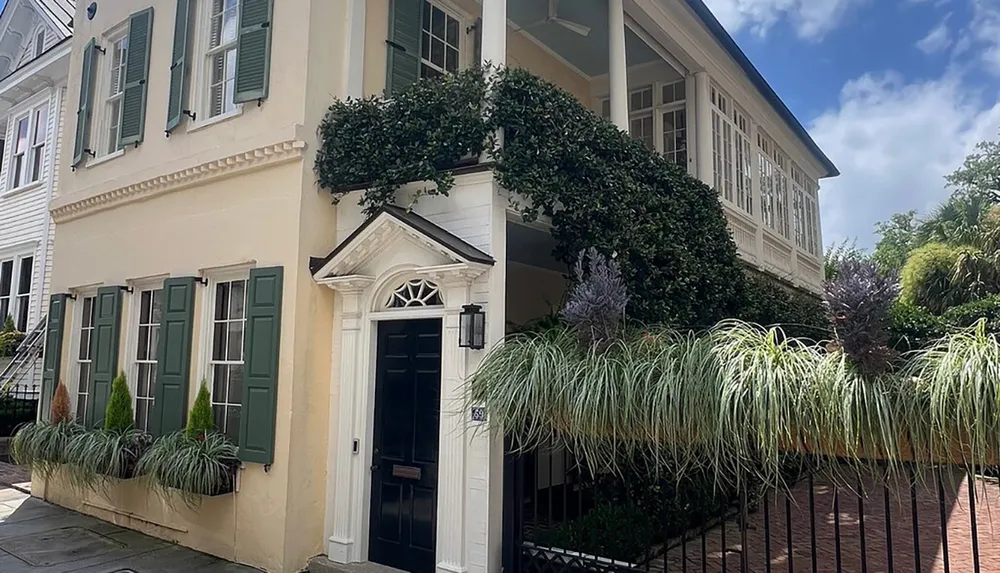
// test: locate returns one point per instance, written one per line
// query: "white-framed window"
(732, 158)
(83, 357)
(658, 118)
(146, 317)
(113, 88)
(441, 41)
(798, 207)
(774, 167)
(15, 289)
(223, 17)
(767, 199)
(39, 133)
(781, 203)
(19, 152)
(813, 241)
(225, 352)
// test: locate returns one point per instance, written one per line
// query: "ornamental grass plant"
(196, 462)
(42, 445)
(112, 451)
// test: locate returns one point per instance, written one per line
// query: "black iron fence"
(18, 405)
(561, 518)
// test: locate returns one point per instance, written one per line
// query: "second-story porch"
(663, 70)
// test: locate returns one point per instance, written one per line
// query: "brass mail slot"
(405, 472)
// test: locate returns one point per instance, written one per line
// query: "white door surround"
(381, 255)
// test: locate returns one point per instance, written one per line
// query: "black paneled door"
(404, 464)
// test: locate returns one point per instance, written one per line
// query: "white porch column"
(494, 33)
(703, 127)
(618, 64)
(344, 516)
(354, 55)
(452, 555)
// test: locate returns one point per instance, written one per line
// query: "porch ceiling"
(589, 54)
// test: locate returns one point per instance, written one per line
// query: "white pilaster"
(494, 24)
(354, 55)
(703, 127)
(343, 520)
(452, 555)
(691, 120)
(618, 64)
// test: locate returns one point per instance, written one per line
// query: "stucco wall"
(521, 52)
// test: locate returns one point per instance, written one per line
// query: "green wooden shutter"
(52, 360)
(260, 369)
(177, 99)
(173, 357)
(85, 110)
(104, 351)
(403, 65)
(133, 120)
(253, 50)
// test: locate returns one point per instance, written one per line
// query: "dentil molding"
(216, 169)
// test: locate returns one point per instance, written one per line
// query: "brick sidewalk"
(930, 540)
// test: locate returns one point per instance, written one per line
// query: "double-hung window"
(147, 337)
(226, 362)
(117, 52)
(224, 27)
(440, 41)
(83, 359)
(28, 153)
(15, 290)
(658, 118)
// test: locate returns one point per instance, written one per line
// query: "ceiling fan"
(553, 18)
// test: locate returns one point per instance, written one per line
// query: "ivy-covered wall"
(601, 188)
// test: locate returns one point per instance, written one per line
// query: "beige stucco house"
(188, 213)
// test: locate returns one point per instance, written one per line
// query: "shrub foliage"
(201, 421)
(601, 188)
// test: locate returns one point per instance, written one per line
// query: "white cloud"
(985, 27)
(937, 40)
(812, 19)
(894, 141)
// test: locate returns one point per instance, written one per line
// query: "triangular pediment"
(20, 23)
(395, 235)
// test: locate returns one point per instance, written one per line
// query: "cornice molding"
(227, 166)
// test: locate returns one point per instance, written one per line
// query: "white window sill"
(197, 126)
(104, 158)
(23, 188)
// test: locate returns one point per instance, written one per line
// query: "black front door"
(404, 464)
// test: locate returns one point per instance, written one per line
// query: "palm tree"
(957, 221)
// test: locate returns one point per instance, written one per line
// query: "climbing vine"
(602, 189)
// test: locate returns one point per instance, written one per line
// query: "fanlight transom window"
(415, 293)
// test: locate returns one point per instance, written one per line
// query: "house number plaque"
(405, 472)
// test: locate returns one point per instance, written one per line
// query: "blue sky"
(897, 92)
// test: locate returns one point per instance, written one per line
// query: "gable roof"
(60, 12)
(19, 19)
(418, 224)
(735, 52)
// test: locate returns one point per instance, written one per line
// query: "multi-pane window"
(6, 286)
(440, 47)
(15, 290)
(28, 153)
(19, 159)
(732, 158)
(148, 335)
(669, 135)
(675, 136)
(117, 52)
(23, 301)
(781, 204)
(767, 199)
(812, 219)
(228, 324)
(221, 56)
(39, 131)
(83, 359)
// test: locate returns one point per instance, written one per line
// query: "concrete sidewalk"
(37, 537)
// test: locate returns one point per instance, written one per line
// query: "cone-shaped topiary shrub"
(201, 421)
(112, 451)
(118, 415)
(60, 411)
(196, 462)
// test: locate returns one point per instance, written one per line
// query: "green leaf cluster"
(187, 467)
(201, 420)
(601, 188)
(118, 416)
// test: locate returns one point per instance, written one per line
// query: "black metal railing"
(861, 522)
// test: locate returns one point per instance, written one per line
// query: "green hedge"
(768, 302)
(601, 188)
(914, 326)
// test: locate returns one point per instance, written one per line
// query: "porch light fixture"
(472, 327)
